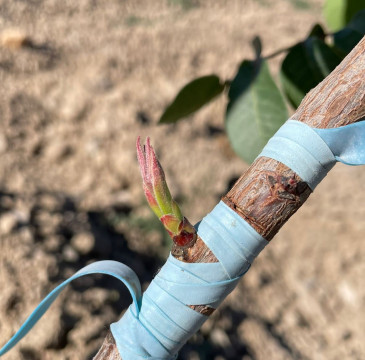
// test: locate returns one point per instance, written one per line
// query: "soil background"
(94, 76)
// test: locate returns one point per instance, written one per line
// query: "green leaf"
(339, 12)
(257, 46)
(192, 97)
(255, 111)
(325, 57)
(305, 65)
(334, 13)
(346, 39)
(358, 21)
(317, 31)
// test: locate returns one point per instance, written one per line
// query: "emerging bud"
(159, 198)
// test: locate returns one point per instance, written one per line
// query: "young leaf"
(159, 198)
(305, 65)
(346, 39)
(339, 12)
(192, 97)
(256, 109)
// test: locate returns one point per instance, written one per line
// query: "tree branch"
(338, 100)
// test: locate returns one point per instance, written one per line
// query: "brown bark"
(262, 195)
(108, 350)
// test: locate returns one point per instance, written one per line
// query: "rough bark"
(108, 350)
(269, 193)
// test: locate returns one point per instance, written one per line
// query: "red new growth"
(159, 198)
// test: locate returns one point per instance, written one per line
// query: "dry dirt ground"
(99, 73)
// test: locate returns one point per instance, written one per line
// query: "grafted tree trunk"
(259, 195)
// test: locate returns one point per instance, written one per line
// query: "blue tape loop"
(158, 324)
(165, 318)
(108, 267)
(311, 153)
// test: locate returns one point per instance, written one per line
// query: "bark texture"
(108, 350)
(269, 193)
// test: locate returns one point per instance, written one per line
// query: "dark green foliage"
(256, 108)
(318, 32)
(192, 97)
(257, 46)
(346, 39)
(305, 65)
(339, 12)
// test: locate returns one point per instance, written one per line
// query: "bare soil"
(79, 81)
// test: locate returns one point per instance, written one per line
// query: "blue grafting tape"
(165, 317)
(108, 267)
(346, 142)
(311, 153)
(157, 325)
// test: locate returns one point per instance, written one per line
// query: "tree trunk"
(338, 100)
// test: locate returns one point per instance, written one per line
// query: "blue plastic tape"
(108, 267)
(158, 324)
(165, 317)
(311, 153)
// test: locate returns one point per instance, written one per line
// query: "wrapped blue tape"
(108, 267)
(164, 311)
(157, 324)
(311, 153)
